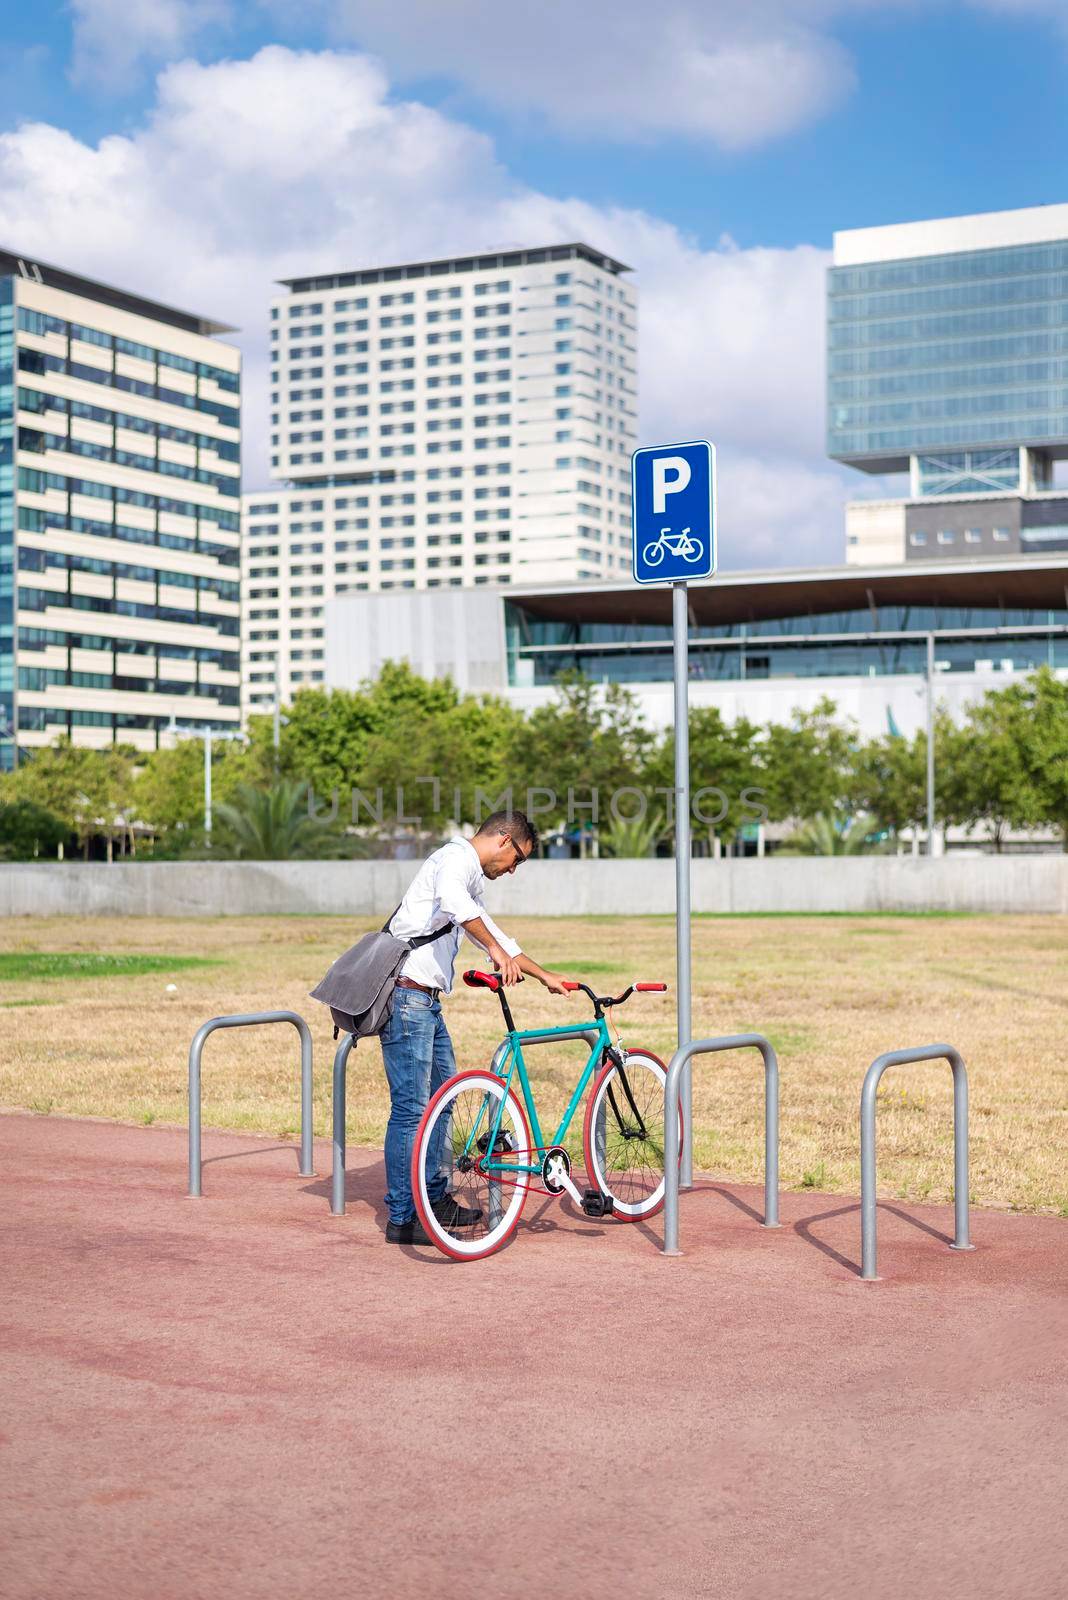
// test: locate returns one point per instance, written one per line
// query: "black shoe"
(410, 1232)
(451, 1214)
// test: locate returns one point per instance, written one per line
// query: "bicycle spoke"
(470, 1123)
(625, 1142)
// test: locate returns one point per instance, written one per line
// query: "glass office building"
(761, 644)
(947, 358)
(858, 641)
(120, 481)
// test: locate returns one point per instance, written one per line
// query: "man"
(415, 1042)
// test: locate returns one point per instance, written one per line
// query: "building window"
(1001, 535)
(917, 538)
(973, 535)
(946, 536)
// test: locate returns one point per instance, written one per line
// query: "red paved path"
(244, 1397)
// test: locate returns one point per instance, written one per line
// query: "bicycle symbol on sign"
(672, 544)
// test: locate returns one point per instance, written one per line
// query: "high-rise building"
(437, 424)
(119, 514)
(948, 360)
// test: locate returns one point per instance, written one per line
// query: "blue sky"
(955, 110)
(718, 148)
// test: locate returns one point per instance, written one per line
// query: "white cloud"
(292, 163)
(735, 75)
(114, 38)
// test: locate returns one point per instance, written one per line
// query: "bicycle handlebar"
(491, 981)
(601, 1000)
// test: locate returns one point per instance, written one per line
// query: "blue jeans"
(418, 1055)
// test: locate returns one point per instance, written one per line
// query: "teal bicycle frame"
(510, 1055)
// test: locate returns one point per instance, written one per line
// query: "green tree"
(1028, 724)
(324, 739)
(1043, 724)
(891, 777)
(726, 781)
(168, 790)
(891, 781)
(87, 790)
(808, 764)
(589, 739)
(273, 824)
(981, 773)
(27, 830)
(434, 765)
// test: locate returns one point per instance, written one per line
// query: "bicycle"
(674, 544)
(489, 1157)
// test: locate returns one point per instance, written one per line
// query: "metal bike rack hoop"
(249, 1019)
(901, 1058)
(676, 1067)
(341, 1058)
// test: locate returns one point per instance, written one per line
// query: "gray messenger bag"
(359, 986)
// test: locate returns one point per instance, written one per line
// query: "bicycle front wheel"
(623, 1135)
(653, 553)
(452, 1149)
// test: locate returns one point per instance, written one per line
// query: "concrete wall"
(547, 888)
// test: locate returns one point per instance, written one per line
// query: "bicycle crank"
(556, 1176)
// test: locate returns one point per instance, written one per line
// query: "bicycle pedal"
(596, 1204)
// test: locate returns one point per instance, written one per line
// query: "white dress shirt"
(447, 888)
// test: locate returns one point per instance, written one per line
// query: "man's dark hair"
(516, 824)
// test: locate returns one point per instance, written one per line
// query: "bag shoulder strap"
(422, 938)
(428, 938)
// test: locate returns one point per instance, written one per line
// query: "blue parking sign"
(673, 491)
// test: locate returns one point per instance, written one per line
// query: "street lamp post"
(207, 733)
(930, 746)
(207, 784)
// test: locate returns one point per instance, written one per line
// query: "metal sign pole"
(673, 533)
(680, 622)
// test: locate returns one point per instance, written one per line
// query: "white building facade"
(119, 515)
(445, 424)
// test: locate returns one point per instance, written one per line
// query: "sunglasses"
(519, 856)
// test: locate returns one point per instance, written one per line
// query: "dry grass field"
(831, 993)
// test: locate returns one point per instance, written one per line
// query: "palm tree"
(273, 824)
(836, 835)
(633, 836)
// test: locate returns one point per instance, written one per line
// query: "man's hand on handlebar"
(555, 982)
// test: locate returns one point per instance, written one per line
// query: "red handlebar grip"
(657, 988)
(569, 985)
(482, 980)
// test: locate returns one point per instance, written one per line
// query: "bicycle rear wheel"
(623, 1134)
(462, 1116)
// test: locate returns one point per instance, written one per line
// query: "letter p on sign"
(663, 484)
